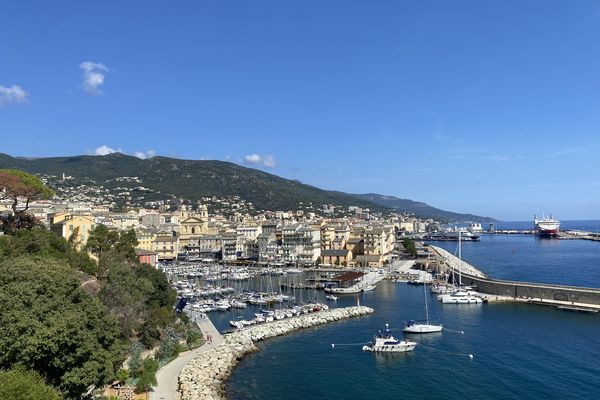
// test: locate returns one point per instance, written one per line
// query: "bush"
(147, 375)
(19, 384)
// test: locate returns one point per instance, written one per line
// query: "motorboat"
(385, 342)
(331, 297)
(460, 296)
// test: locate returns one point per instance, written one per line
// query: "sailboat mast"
(426, 307)
(459, 258)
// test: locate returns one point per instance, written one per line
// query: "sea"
(519, 351)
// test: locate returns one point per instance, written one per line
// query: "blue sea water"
(520, 351)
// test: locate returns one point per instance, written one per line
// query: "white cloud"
(144, 155)
(93, 76)
(252, 159)
(267, 161)
(12, 94)
(105, 150)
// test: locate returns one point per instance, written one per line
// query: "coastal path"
(167, 377)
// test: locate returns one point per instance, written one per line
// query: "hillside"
(193, 179)
(421, 209)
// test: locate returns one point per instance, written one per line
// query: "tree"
(409, 246)
(147, 375)
(103, 241)
(20, 384)
(49, 324)
(21, 188)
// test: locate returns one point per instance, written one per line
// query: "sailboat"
(419, 327)
(461, 295)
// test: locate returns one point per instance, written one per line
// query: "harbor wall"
(204, 378)
(473, 277)
(533, 290)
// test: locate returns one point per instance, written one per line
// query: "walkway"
(167, 376)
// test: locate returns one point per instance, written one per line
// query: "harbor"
(514, 341)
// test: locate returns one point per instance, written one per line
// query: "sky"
(486, 107)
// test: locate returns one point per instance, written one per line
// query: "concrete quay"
(205, 376)
(458, 265)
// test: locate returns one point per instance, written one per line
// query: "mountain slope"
(418, 208)
(194, 179)
(189, 179)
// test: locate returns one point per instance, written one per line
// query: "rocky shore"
(205, 377)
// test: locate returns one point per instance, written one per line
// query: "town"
(223, 229)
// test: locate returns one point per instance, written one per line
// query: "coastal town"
(225, 229)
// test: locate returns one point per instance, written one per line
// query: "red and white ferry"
(546, 226)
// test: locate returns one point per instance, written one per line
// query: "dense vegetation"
(19, 384)
(74, 320)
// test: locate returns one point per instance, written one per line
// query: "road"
(167, 376)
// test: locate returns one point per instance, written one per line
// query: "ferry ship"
(546, 226)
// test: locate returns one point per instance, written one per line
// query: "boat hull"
(423, 328)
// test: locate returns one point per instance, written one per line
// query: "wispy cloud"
(570, 150)
(12, 94)
(144, 154)
(502, 157)
(105, 150)
(93, 76)
(267, 161)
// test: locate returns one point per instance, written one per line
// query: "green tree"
(409, 246)
(21, 189)
(49, 324)
(147, 375)
(19, 384)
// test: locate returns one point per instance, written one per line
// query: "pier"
(525, 292)
(205, 376)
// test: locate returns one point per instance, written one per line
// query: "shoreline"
(206, 375)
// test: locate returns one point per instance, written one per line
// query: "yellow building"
(145, 238)
(166, 245)
(67, 225)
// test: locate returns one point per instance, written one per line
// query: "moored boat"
(385, 342)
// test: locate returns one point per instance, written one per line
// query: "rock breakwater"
(205, 376)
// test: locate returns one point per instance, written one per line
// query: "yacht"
(461, 296)
(385, 342)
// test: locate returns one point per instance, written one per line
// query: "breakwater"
(551, 294)
(205, 376)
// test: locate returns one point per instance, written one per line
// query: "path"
(167, 376)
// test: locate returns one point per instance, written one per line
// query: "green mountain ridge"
(194, 179)
(419, 208)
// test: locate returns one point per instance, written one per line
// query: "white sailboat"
(460, 295)
(419, 327)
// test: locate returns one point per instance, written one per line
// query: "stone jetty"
(205, 376)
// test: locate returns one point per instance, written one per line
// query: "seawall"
(204, 377)
(560, 293)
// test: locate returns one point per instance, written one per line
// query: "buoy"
(462, 332)
(471, 356)
(332, 346)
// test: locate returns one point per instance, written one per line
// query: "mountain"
(190, 179)
(420, 209)
(194, 179)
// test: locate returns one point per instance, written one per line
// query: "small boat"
(331, 297)
(385, 342)
(414, 327)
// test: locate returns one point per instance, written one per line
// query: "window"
(70, 227)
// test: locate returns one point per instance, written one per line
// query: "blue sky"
(489, 107)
